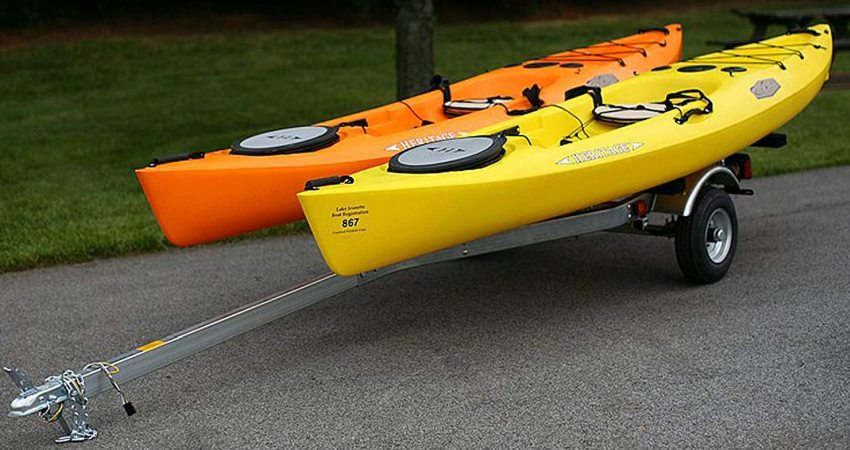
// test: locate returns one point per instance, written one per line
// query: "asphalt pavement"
(590, 342)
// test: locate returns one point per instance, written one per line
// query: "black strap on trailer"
(772, 140)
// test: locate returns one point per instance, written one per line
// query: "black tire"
(692, 241)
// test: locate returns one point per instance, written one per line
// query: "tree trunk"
(414, 46)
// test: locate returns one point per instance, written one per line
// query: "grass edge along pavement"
(76, 117)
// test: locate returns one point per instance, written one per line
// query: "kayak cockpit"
(588, 114)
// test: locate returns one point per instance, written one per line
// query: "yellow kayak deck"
(565, 159)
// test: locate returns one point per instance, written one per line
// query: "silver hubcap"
(718, 236)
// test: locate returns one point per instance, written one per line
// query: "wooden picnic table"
(837, 16)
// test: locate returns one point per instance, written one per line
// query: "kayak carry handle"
(595, 93)
(174, 158)
(803, 31)
(354, 123)
(314, 185)
(647, 30)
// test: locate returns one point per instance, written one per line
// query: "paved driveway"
(582, 342)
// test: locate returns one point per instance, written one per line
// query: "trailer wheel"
(705, 240)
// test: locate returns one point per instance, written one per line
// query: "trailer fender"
(684, 202)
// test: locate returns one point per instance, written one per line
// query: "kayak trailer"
(697, 211)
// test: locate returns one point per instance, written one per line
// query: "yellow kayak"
(597, 146)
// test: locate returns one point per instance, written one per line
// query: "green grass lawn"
(76, 118)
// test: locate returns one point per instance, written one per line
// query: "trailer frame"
(70, 390)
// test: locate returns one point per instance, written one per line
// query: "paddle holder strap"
(354, 123)
(532, 94)
(441, 83)
(512, 131)
(676, 100)
(362, 123)
(594, 92)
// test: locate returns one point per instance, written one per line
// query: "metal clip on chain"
(75, 388)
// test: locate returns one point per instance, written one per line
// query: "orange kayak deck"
(220, 194)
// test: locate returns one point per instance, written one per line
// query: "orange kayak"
(203, 197)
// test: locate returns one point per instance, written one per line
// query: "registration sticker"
(347, 220)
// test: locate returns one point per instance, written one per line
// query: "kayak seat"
(629, 113)
(454, 108)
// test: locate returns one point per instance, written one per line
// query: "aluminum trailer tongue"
(63, 398)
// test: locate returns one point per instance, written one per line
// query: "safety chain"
(75, 390)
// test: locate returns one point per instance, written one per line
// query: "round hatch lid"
(286, 140)
(696, 68)
(448, 155)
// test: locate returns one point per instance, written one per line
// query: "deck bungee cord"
(727, 57)
(575, 134)
(641, 50)
(424, 122)
(581, 128)
(684, 98)
(760, 58)
(605, 56)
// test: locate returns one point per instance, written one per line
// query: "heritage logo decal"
(410, 143)
(601, 153)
